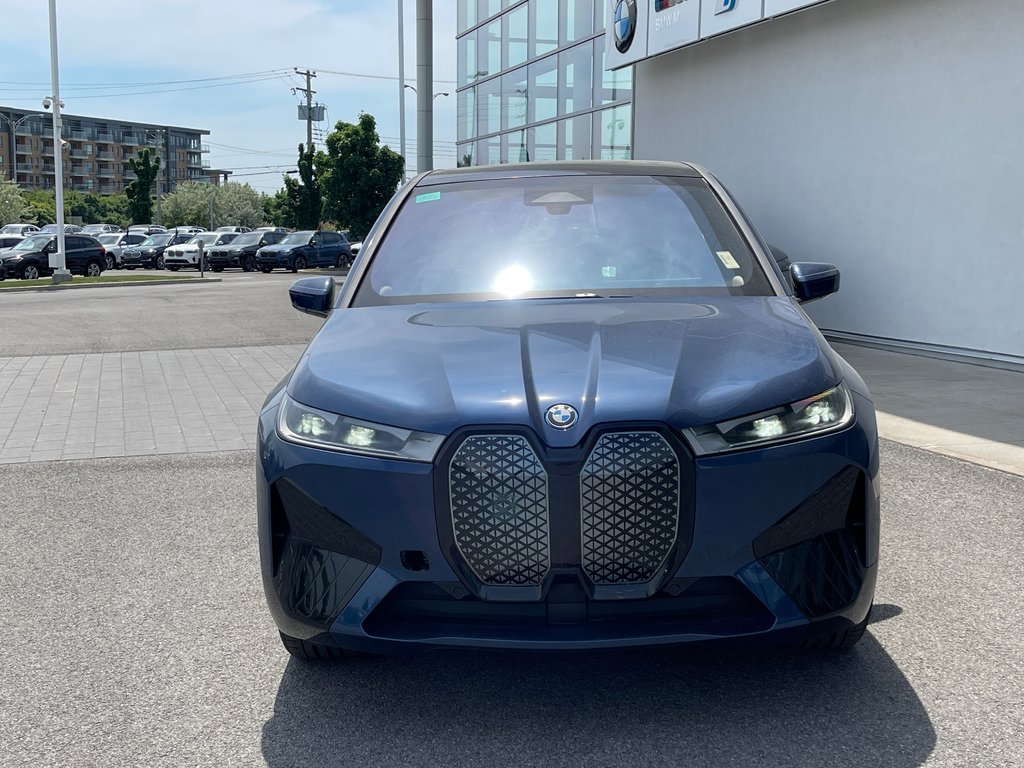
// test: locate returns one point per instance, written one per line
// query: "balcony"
(106, 173)
(23, 149)
(82, 135)
(25, 130)
(106, 138)
(105, 155)
(204, 147)
(80, 153)
(130, 139)
(108, 189)
(24, 167)
(49, 169)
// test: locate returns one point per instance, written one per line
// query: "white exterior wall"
(886, 137)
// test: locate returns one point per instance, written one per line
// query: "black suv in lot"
(30, 259)
(150, 252)
(241, 252)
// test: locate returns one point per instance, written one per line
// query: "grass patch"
(45, 282)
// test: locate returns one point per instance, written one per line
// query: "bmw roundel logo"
(561, 416)
(624, 25)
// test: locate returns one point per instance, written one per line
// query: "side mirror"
(814, 281)
(313, 295)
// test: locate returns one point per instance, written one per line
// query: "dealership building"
(882, 136)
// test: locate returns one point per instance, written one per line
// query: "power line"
(393, 78)
(163, 90)
(140, 84)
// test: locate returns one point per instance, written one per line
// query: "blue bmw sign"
(724, 6)
(624, 24)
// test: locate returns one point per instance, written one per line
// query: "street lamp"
(157, 136)
(401, 115)
(439, 93)
(61, 274)
(14, 127)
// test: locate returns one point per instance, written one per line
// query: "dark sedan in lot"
(299, 250)
(588, 411)
(150, 252)
(30, 259)
(241, 252)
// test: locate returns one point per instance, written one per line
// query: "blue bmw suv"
(588, 411)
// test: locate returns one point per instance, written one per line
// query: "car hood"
(276, 249)
(438, 367)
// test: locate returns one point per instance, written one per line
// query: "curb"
(72, 286)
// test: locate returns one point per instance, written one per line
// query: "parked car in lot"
(30, 259)
(9, 241)
(69, 229)
(187, 254)
(115, 244)
(595, 414)
(18, 229)
(99, 229)
(307, 248)
(236, 230)
(146, 229)
(150, 252)
(241, 252)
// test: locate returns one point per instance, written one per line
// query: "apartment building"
(96, 152)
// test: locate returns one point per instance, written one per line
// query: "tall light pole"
(401, 88)
(424, 85)
(14, 127)
(61, 275)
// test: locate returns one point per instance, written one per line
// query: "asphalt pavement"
(135, 631)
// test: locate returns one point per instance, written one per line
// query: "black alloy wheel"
(249, 264)
(298, 263)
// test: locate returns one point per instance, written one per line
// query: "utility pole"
(401, 90)
(308, 90)
(61, 273)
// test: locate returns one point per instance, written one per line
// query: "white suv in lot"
(187, 254)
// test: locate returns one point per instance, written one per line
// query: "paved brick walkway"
(135, 403)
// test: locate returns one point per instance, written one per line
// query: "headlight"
(826, 412)
(299, 423)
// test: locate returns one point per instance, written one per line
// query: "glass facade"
(532, 84)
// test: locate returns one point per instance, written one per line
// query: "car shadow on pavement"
(693, 707)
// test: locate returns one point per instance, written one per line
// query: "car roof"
(560, 168)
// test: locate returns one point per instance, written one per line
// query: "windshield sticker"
(608, 271)
(726, 258)
(428, 197)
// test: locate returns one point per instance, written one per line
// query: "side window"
(74, 243)
(318, 239)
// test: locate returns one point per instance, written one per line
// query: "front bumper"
(226, 259)
(782, 543)
(139, 259)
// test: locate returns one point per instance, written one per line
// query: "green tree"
(359, 175)
(233, 204)
(305, 194)
(139, 192)
(12, 205)
(278, 209)
(41, 207)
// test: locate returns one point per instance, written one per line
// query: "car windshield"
(49, 228)
(108, 239)
(155, 240)
(204, 237)
(562, 237)
(296, 238)
(32, 243)
(249, 238)
(12, 229)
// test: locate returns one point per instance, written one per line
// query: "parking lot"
(135, 629)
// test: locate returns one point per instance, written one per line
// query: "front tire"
(266, 270)
(160, 262)
(110, 262)
(298, 263)
(249, 264)
(30, 272)
(93, 269)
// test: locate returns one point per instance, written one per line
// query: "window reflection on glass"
(516, 37)
(577, 139)
(575, 70)
(488, 151)
(487, 8)
(488, 106)
(514, 98)
(466, 128)
(513, 148)
(544, 89)
(600, 10)
(466, 14)
(543, 26)
(545, 142)
(465, 155)
(492, 53)
(467, 59)
(579, 19)
(616, 131)
(611, 86)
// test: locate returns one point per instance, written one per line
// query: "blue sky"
(107, 46)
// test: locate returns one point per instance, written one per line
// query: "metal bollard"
(202, 272)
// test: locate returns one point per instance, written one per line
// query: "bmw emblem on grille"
(624, 24)
(561, 416)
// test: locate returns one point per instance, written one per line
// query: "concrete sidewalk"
(192, 401)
